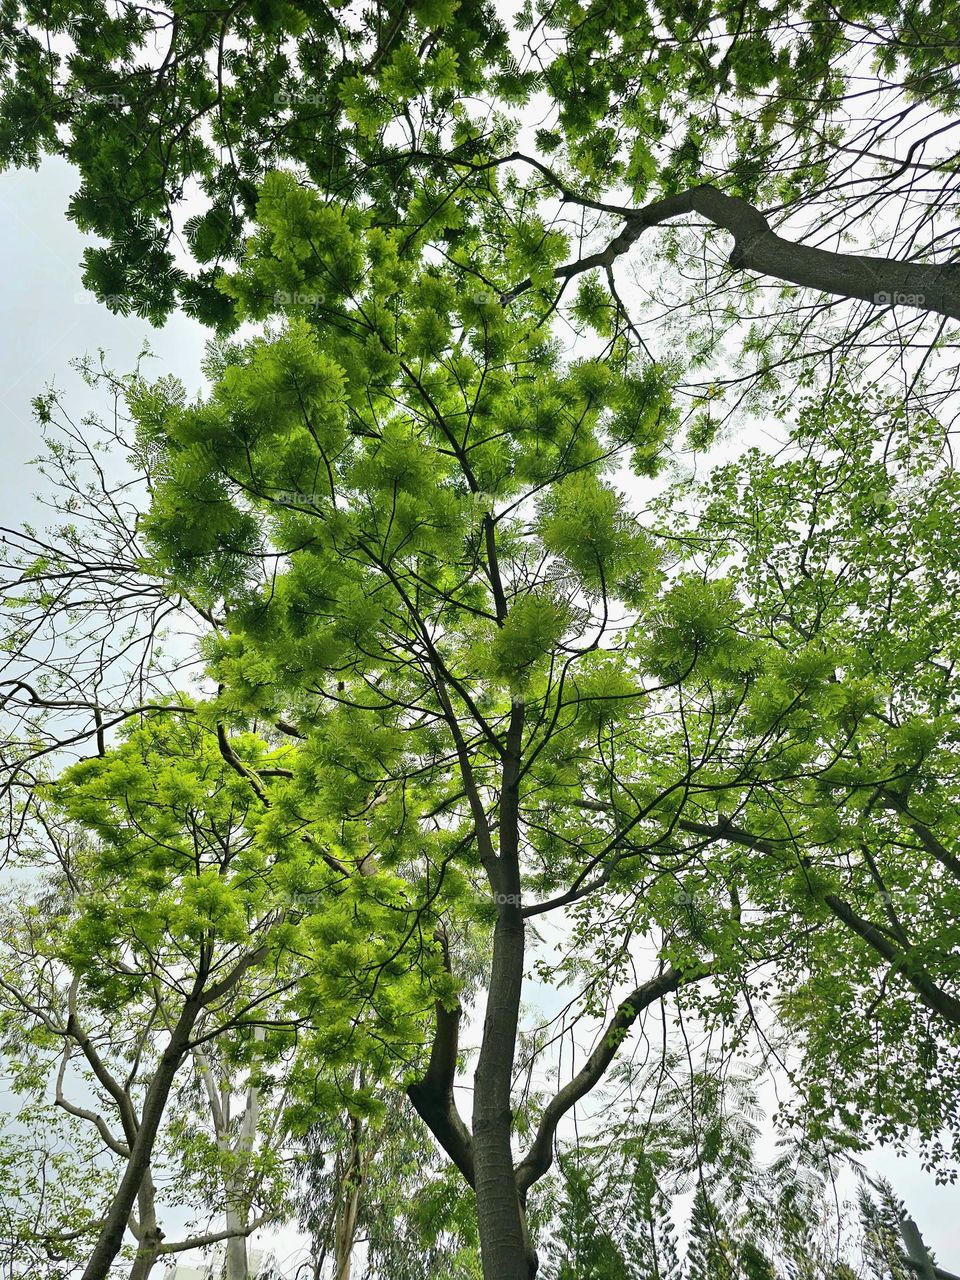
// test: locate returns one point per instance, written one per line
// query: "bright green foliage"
(412, 536)
(186, 871)
(816, 630)
(584, 522)
(400, 511)
(625, 80)
(414, 543)
(355, 509)
(154, 105)
(411, 111)
(175, 877)
(238, 93)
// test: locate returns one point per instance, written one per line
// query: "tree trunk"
(346, 1234)
(348, 1209)
(110, 1239)
(504, 1247)
(147, 1255)
(504, 1243)
(148, 1233)
(237, 1266)
(237, 1208)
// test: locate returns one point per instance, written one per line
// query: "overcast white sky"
(46, 320)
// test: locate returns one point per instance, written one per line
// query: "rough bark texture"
(882, 281)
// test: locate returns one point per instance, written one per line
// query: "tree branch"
(432, 1096)
(756, 247)
(539, 1158)
(899, 958)
(213, 1237)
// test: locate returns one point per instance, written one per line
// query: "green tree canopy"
(182, 916)
(822, 139)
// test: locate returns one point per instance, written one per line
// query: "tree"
(50, 1176)
(690, 1155)
(454, 562)
(400, 508)
(795, 131)
(183, 918)
(581, 1246)
(244, 1156)
(397, 516)
(374, 1181)
(816, 615)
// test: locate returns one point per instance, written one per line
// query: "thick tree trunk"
(111, 1234)
(237, 1266)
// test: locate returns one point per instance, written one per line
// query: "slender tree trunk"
(348, 1211)
(504, 1243)
(504, 1246)
(147, 1255)
(346, 1234)
(111, 1235)
(238, 1265)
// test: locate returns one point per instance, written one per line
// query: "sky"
(47, 319)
